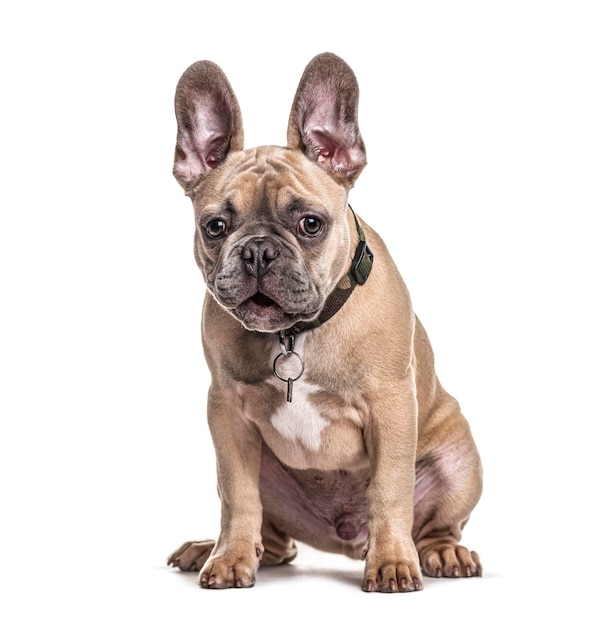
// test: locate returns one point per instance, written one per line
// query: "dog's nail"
(369, 585)
(455, 571)
(365, 551)
(392, 585)
(438, 572)
(403, 584)
(417, 584)
(469, 571)
(259, 551)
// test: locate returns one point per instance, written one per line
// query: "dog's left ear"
(323, 120)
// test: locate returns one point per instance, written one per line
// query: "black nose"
(258, 255)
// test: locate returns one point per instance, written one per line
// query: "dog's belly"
(326, 509)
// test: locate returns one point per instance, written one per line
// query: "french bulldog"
(329, 424)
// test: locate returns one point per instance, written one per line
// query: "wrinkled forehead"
(272, 178)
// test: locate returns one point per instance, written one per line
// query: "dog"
(329, 424)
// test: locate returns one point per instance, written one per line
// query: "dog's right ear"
(209, 122)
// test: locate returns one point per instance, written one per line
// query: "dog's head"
(272, 231)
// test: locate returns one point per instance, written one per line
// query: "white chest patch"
(300, 420)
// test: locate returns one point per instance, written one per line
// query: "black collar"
(360, 269)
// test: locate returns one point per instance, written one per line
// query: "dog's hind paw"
(449, 560)
(191, 556)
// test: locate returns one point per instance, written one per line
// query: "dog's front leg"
(392, 562)
(235, 557)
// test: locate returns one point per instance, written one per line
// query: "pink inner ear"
(334, 152)
(194, 156)
(211, 131)
(204, 140)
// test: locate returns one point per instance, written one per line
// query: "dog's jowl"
(305, 321)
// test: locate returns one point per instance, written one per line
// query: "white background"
(480, 124)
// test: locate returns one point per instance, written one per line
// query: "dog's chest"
(311, 427)
(300, 420)
(315, 430)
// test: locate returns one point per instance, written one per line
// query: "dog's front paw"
(223, 572)
(392, 575)
(191, 556)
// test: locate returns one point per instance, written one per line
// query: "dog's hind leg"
(448, 485)
(278, 547)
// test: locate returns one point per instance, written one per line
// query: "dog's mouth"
(262, 313)
(262, 301)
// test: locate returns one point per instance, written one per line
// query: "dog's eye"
(310, 226)
(216, 229)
